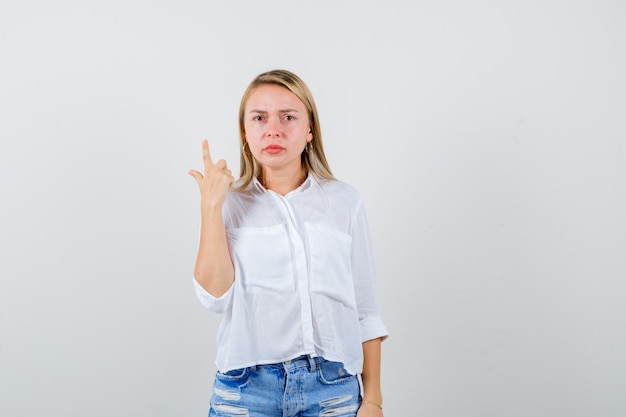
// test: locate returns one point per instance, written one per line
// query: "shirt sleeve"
(215, 304)
(364, 276)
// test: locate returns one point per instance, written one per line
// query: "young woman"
(285, 255)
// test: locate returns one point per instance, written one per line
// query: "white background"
(488, 139)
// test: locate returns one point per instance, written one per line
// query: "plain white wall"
(488, 139)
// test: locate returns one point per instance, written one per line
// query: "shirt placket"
(301, 270)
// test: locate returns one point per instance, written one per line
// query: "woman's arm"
(372, 393)
(214, 269)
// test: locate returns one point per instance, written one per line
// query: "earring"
(309, 147)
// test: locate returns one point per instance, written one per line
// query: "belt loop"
(312, 364)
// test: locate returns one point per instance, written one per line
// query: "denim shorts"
(302, 387)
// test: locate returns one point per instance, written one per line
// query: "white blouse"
(304, 277)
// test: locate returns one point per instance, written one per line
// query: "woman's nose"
(273, 127)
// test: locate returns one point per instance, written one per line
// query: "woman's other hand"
(215, 182)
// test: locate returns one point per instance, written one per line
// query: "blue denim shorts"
(303, 387)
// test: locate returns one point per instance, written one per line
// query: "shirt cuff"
(215, 304)
(373, 328)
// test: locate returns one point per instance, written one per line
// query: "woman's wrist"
(374, 403)
(372, 392)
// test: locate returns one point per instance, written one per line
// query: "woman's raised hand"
(215, 182)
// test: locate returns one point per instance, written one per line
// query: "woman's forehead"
(272, 96)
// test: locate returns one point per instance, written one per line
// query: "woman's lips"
(273, 149)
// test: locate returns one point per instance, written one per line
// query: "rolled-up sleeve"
(215, 304)
(364, 276)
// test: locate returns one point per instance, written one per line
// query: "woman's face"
(277, 128)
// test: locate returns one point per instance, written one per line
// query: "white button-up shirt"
(304, 277)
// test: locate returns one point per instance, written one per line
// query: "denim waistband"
(302, 361)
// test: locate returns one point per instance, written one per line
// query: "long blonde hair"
(313, 157)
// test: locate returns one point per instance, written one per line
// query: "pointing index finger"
(206, 155)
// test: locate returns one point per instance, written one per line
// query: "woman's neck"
(283, 182)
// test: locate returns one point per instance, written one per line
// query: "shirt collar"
(308, 183)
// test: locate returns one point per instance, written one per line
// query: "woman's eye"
(289, 117)
(257, 118)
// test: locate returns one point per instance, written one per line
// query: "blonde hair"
(313, 157)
